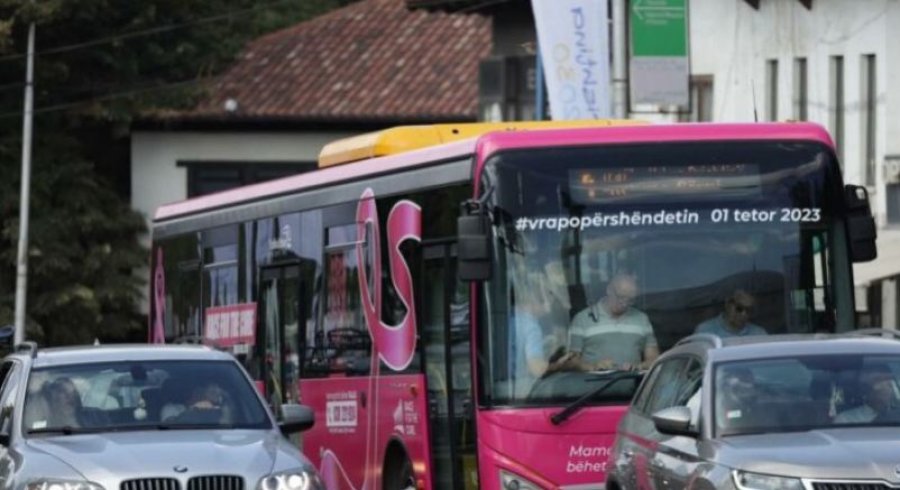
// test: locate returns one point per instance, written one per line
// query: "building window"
(772, 90)
(893, 204)
(209, 177)
(800, 90)
(701, 100)
(869, 104)
(836, 103)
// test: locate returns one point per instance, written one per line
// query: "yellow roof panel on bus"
(406, 138)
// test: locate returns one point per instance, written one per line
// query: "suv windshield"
(806, 393)
(617, 252)
(141, 395)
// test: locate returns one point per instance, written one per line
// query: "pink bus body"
(395, 404)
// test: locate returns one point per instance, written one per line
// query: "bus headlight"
(745, 480)
(512, 481)
(48, 484)
(292, 480)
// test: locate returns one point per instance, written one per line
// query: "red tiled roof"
(372, 60)
(448, 4)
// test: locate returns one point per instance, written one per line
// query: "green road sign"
(659, 28)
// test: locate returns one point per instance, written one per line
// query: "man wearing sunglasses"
(734, 321)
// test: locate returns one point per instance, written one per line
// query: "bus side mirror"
(474, 244)
(861, 228)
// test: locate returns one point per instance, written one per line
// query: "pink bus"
(419, 295)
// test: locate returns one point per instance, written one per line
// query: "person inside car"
(64, 406)
(204, 405)
(878, 397)
(737, 407)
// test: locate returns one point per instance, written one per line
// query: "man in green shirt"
(611, 333)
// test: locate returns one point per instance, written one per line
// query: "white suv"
(143, 418)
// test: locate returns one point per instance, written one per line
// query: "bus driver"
(611, 334)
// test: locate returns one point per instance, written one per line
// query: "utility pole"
(538, 85)
(25, 194)
(620, 59)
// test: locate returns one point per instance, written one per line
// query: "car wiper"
(574, 407)
(192, 426)
(65, 430)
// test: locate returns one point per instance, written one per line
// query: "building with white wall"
(835, 62)
(169, 166)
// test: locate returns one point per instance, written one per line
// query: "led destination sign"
(604, 184)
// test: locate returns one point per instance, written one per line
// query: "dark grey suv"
(765, 413)
(143, 417)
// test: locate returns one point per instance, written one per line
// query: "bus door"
(445, 337)
(279, 346)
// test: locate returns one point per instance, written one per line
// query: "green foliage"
(83, 248)
(101, 64)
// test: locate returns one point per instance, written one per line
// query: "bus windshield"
(607, 255)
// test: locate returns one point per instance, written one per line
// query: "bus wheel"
(398, 473)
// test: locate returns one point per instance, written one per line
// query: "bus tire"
(398, 470)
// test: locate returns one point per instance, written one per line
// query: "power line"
(144, 32)
(68, 88)
(110, 96)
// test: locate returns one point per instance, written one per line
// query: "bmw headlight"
(512, 481)
(745, 480)
(299, 479)
(47, 484)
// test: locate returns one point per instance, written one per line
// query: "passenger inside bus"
(734, 321)
(558, 314)
(533, 344)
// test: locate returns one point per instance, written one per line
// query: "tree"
(100, 64)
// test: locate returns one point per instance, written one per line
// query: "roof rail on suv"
(875, 332)
(702, 337)
(29, 346)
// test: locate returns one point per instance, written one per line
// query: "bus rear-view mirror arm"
(474, 242)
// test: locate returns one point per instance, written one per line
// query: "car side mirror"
(674, 421)
(295, 418)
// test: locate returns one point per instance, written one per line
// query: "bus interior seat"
(153, 402)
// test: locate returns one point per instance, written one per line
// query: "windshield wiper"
(65, 430)
(193, 426)
(574, 407)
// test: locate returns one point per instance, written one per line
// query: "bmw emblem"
(180, 469)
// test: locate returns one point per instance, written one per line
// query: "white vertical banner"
(574, 47)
